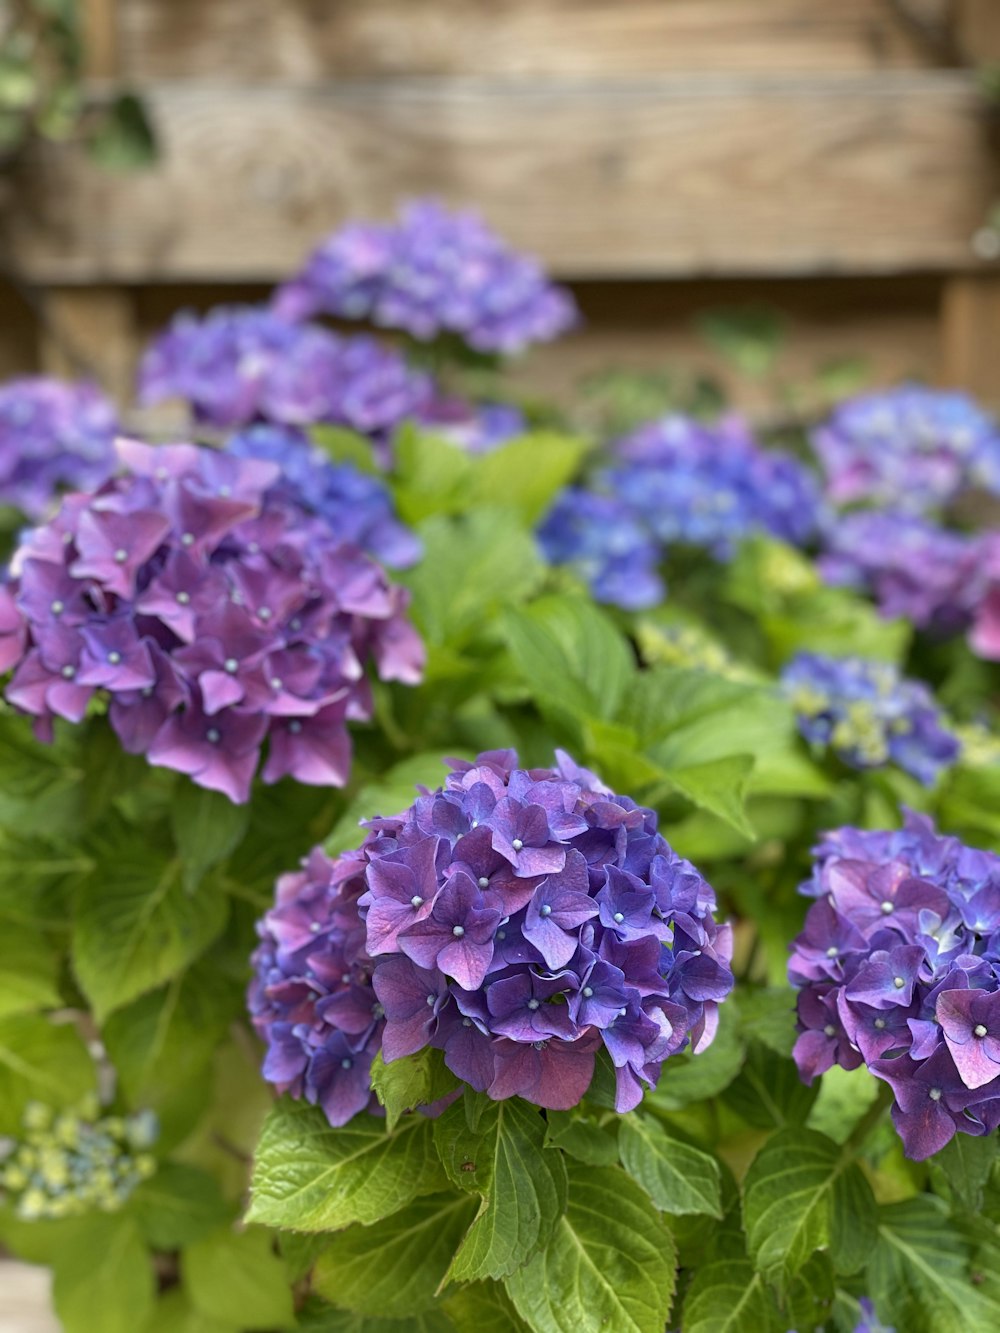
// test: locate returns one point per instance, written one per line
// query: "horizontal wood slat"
(671, 176)
(319, 39)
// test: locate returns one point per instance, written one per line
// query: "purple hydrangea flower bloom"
(605, 542)
(869, 714)
(910, 446)
(54, 437)
(242, 364)
(214, 612)
(478, 428)
(908, 983)
(984, 636)
(912, 567)
(356, 505)
(433, 272)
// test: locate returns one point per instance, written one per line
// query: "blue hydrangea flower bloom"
(241, 364)
(54, 437)
(599, 537)
(213, 611)
(869, 714)
(709, 486)
(432, 272)
(911, 447)
(897, 968)
(354, 504)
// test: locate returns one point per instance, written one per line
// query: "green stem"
(875, 1113)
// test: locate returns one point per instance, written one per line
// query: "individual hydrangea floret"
(355, 505)
(518, 920)
(909, 447)
(241, 364)
(54, 436)
(870, 1322)
(433, 272)
(600, 537)
(897, 969)
(709, 486)
(67, 1163)
(869, 714)
(912, 567)
(212, 612)
(478, 428)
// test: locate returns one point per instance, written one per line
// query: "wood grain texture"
(90, 331)
(318, 39)
(970, 319)
(671, 176)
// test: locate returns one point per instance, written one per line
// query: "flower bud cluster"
(212, 612)
(53, 437)
(67, 1163)
(898, 968)
(431, 273)
(869, 714)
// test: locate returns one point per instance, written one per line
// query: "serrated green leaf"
(963, 1166)
(310, 1177)
(767, 1014)
(105, 1275)
(769, 1092)
(581, 1136)
(237, 1278)
(38, 877)
(729, 1297)
(27, 971)
(318, 1317)
(804, 1193)
(522, 1185)
(40, 1061)
(483, 1307)
(412, 1081)
(396, 1268)
(42, 783)
(177, 1205)
(719, 786)
(137, 925)
(609, 1265)
(206, 827)
(678, 1178)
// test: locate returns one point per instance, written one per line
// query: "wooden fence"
(835, 160)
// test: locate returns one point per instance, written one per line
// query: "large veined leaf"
(963, 1167)
(609, 1265)
(396, 1268)
(206, 827)
(310, 1177)
(769, 1093)
(719, 786)
(522, 1184)
(104, 1278)
(483, 1307)
(804, 1193)
(728, 1296)
(677, 1177)
(40, 1061)
(177, 1205)
(27, 971)
(920, 1272)
(137, 923)
(412, 1081)
(318, 1317)
(235, 1277)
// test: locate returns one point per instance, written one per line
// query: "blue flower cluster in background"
(869, 714)
(897, 968)
(433, 272)
(606, 544)
(54, 436)
(911, 447)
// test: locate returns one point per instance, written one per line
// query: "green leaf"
(473, 565)
(527, 472)
(749, 339)
(40, 1061)
(767, 1013)
(206, 826)
(431, 476)
(396, 1268)
(719, 786)
(394, 792)
(310, 1177)
(610, 1264)
(729, 1297)
(347, 446)
(483, 1307)
(38, 878)
(105, 1275)
(522, 1184)
(177, 1205)
(804, 1193)
(318, 1317)
(678, 1178)
(963, 1166)
(570, 653)
(581, 1136)
(124, 140)
(41, 786)
(174, 1313)
(693, 1078)
(769, 1092)
(237, 1278)
(415, 1080)
(137, 925)
(920, 1272)
(27, 971)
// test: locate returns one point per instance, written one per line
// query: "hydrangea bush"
(506, 1060)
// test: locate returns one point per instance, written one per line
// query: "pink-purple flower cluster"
(898, 968)
(212, 612)
(869, 714)
(311, 999)
(432, 272)
(909, 447)
(240, 364)
(54, 436)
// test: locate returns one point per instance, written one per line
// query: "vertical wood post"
(90, 330)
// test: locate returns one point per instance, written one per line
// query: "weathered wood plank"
(314, 39)
(970, 317)
(90, 331)
(673, 176)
